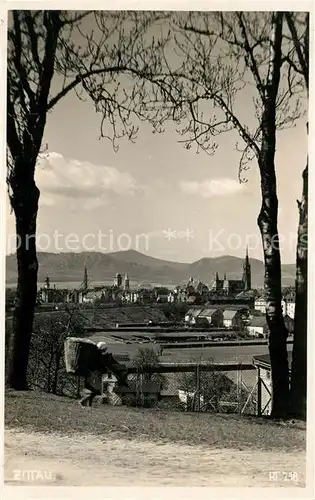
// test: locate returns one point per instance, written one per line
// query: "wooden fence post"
(141, 389)
(198, 387)
(258, 392)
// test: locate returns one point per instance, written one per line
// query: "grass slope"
(40, 412)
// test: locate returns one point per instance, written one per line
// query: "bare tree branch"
(250, 58)
(80, 78)
(12, 136)
(18, 62)
(302, 58)
(66, 21)
(239, 127)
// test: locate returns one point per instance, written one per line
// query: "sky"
(155, 196)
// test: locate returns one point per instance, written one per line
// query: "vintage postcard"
(156, 272)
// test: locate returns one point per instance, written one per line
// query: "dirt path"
(91, 461)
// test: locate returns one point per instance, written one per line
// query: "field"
(125, 446)
(219, 353)
(108, 317)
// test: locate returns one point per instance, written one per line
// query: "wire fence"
(202, 387)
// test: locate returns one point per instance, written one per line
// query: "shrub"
(145, 358)
(215, 387)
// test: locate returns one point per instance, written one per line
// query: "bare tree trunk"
(24, 199)
(277, 330)
(268, 225)
(298, 395)
(298, 390)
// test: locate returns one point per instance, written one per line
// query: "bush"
(175, 312)
(215, 387)
(145, 358)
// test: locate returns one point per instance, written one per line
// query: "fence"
(201, 387)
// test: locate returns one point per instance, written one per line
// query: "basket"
(81, 356)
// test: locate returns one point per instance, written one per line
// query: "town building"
(192, 299)
(213, 317)
(232, 287)
(191, 316)
(91, 296)
(232, 319)
(131, 297)
(127, 283)
(258, 327)
(161, 294)
(118, 280)
(51, 294)
(287, 305)
(217, 317)
(260, 304)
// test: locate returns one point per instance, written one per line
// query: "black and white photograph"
(156, 280)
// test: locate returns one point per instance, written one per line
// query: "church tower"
(247, 275)
(85, 279)
(226, 285)
(127, 282)
(217, 282)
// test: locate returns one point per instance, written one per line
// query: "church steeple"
(85, 279)
(247, 278)
(127, 282)
(47, 282)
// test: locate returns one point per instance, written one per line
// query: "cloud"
(81, 183)
(211, 187)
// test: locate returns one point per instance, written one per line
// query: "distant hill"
(67, 267)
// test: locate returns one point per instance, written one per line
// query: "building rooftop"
(191, 299)
(194, 312)
(246, 294)
(263, 360)
(208, 312)
(229, 313)
(289, 298)
(258, 321)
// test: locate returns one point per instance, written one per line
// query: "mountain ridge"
(66, 267)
